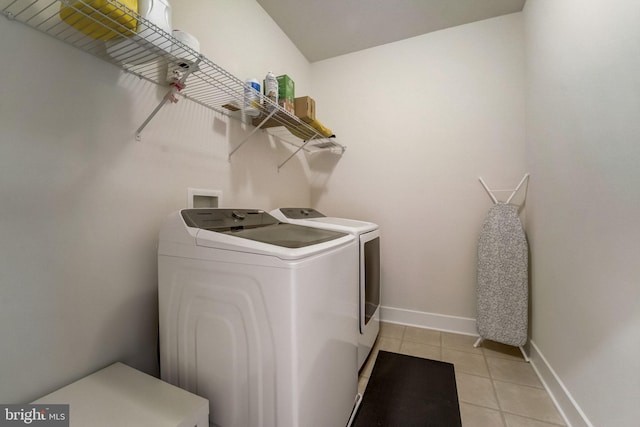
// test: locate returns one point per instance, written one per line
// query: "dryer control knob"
(238, 215)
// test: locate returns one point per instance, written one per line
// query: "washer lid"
(253, 224)
(287, 235)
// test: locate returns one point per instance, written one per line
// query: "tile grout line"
(493, 388)
(538, 420)
(502, 411)
(510, 381)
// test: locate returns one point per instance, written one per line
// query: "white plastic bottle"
(252, 97)
(271, 89)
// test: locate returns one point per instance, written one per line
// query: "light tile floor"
(496, 386)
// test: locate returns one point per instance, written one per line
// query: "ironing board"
(502, 279)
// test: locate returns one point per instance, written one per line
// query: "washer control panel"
(301, 213)
(227, 219)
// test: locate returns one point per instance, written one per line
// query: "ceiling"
(323, 29)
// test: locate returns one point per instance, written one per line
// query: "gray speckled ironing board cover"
(502, 287)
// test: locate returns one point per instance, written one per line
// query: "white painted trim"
(421, 319)
(566, 404)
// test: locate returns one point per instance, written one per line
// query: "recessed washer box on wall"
(203, 198)
(259, 317)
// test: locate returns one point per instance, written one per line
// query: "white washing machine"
(368, 282)
(259, 317)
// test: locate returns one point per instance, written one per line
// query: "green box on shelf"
(286, 93)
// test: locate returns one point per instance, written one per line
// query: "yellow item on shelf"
(101, 19)
(304, 133)
(320, 127)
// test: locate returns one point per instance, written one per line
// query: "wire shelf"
(113, 32)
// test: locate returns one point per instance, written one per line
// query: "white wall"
(583, 152)
(81, 201)
(422, 119)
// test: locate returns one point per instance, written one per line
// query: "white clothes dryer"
(368, 282)
(259, 317)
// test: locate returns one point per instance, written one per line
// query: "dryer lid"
(312, 218)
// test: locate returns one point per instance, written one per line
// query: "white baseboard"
(421, 319)
(567, 406)
(569, 409)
